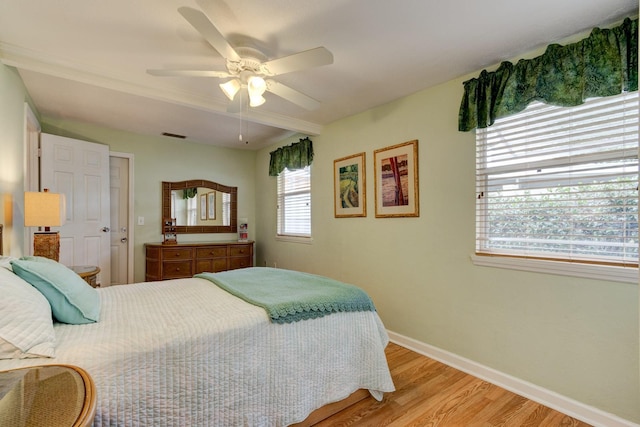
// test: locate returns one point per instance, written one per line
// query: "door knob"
(123, 240)
(106, 229)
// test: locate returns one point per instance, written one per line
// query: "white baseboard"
(553, 400)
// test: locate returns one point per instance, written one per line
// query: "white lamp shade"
(256, 101)
(43, 209)
(230, 88)
(256, 86)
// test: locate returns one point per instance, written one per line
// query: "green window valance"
(603, 64)
(295, 156)
(190, 193)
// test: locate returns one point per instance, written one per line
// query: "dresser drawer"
(212, 252)
(239, 262)
(176, 269)
(240, 250)
(212, 265)
(177, 253)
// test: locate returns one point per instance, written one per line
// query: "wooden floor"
(429, 393)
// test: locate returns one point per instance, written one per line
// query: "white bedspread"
(186, 353)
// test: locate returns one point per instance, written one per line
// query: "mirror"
(200, 206)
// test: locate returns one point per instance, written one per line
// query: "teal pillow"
(38, 259)
(72, 300)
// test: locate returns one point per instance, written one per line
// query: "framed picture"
(170, 239)
(211, 205)
(169, 224)
(243, 230)
(169, 231)
(396, 180)
(203, 207)
(349, 186)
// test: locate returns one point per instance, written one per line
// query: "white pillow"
(26, 324)
(5, 261)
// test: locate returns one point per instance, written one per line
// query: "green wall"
(577, 337)
(158, 159)
(13, 96)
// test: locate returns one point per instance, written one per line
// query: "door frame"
(31, 165)
(130, 216)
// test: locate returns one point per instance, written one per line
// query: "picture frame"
(169, 231)
(211, 205)
(170, 239)
(243, 230)
(349, 186)
(203, 207)
(396, 180)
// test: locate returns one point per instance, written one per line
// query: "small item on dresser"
(243, 230)
(169, 231)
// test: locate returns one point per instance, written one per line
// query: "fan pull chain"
(241, 114)
(240, 138)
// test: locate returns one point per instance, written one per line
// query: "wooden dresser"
(186, 259)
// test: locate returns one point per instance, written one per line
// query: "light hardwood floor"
(429, 393)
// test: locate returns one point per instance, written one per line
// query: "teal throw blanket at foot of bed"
(289, 296)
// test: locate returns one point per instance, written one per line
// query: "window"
(192, 211)
(294, 203)
(226, 208)
(561, 183)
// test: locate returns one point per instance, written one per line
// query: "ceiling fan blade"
(203, 24)
(292, 95)
(298, 61)
(189, 73)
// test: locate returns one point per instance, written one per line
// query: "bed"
(186, 352)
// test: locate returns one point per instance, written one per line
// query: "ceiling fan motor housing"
(250, 60)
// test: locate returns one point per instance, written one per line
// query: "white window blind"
(226, 209)
(294, 203)
(192, 211)
(561, 183)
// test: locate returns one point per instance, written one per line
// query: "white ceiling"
(86, 60)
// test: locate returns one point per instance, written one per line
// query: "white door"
(80, 170)
(120, 227)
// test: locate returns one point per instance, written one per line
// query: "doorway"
(121, 191)
(121, 270)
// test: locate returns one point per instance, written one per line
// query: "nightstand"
(88, 272)
(50, 395)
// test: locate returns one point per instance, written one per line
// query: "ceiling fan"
(249, 68)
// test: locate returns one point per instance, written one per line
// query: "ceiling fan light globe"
(230, 88)
(256, 86)
(256, 101)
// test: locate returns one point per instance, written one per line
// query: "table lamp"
(44, 209)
